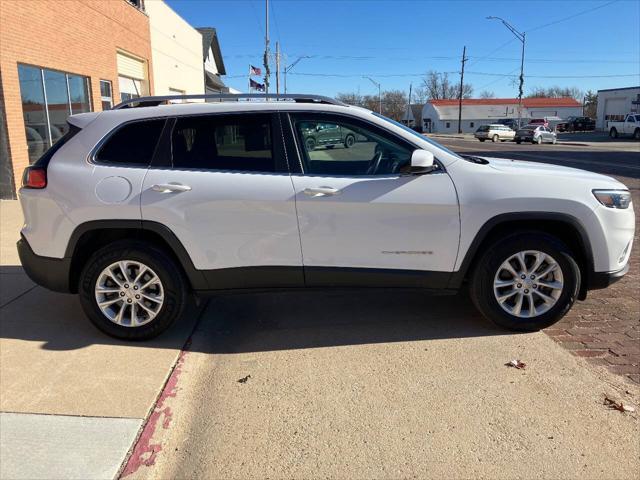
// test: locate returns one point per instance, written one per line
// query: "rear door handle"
(321, 191)
(170, 187)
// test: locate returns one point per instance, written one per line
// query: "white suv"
(137, 207)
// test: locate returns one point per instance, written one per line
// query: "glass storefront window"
(79, 93)
(48, 98)
(34, 110)
(57, 96)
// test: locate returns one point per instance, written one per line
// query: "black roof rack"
(158, 100)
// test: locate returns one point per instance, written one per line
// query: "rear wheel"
(613, 133)
(349, 141)
(526, 281)
(482, 139)
(132, 291)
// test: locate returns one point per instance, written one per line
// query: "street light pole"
(379, 93)
(287, 68)
(522, 37)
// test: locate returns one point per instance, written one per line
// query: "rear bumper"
(598, 280)
(50, 273)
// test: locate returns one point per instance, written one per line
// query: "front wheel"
(482, 139)
(310, 143)
(526, 281)
(495, 138)
(518, 141)
(539, 140)
(636, 134)
(132, 290)
(555, 140)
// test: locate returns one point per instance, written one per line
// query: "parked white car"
(495, 133)
(137, 207)
(629, 127)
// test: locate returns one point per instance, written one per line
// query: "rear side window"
(44, 160)
(223, 142)
(132, 144)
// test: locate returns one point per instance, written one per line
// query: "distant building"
(441, 116)
(62, 58)
(615, 103)
(176, 49)
(413, 117)
(213, 64)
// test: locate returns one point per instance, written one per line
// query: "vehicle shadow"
(331, 318)
(275, 320)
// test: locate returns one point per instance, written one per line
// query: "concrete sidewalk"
(54, 362)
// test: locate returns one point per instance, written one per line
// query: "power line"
(501, 75)
(570, 17)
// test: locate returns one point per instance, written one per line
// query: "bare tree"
(351, 99)
(487, 94)
(556, 92)
(438, 87)
(394, 104)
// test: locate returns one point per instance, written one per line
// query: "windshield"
(416, 134)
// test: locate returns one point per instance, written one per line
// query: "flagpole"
(266, 48)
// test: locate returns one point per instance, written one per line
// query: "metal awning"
(214, 82)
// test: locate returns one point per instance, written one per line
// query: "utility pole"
(287, 69)
(522, 37)
(464, 59)
(379, 93)
(267, 72)
(278, 68)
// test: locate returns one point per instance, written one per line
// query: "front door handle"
(170, 187)
(321, 191)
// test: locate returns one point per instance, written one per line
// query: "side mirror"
(422, 161)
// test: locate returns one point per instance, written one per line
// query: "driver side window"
(333, 145)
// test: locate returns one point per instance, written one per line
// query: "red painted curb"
(144, 452)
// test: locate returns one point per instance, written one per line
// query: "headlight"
(613, 198)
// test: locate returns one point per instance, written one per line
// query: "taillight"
(34, 177)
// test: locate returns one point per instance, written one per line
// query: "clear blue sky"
(397, 41)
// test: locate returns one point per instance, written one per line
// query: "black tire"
(518, 142)
(310, 143)
(482, 280)
(613, 133)
(482, 139)
(495, 138)
(176, 292)
(539, 141)
(636, 134)
(349, 141)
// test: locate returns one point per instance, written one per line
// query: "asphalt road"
(390, 385)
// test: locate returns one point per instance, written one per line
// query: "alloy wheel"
(129, 293)
(528, 284)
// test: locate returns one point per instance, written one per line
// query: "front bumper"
(599, 280)
(50, 273)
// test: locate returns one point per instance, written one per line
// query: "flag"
(254, 71)
(256, 86)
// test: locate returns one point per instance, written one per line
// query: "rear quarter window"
(131, 144)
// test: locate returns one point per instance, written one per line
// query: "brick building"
(63, 57)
